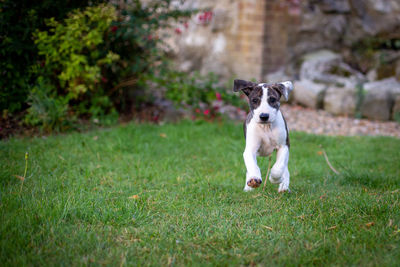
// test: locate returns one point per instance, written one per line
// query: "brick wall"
(259, 42)
(246, 39)
(275, 36)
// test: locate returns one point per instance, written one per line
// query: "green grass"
(74, 207)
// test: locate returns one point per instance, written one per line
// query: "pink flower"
(218, 96)
(206, 112)
(103, 79)
(205, 18)
(178, 31)
(186, 25)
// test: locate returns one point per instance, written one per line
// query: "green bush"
(18, 20)
(47, 110)
(92, 59)
(71, 67)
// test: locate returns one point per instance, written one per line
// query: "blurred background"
(69, 64)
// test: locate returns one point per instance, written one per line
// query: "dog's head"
(264, 99)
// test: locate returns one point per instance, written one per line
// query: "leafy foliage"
(18, 20)
(71, 66)
(196, 91)
(93, 58)
(70, 51)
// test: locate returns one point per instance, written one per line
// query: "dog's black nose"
(264, 116)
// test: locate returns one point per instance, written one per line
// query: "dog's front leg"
(280, 171)
(253, 174)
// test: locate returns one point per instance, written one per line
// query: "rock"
(170, 113)
(372, 18)
(389, 85)
(378, 101)
(327, 67)
(309, 94)
(277, 76)
(335, 6)
(376, 106)
(340, 101)
(396, 109)
(372, 75)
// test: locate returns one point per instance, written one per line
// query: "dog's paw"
(275, 180)
(254, 182)
(283, 187)
(247, 188)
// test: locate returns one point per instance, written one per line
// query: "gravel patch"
(321, 122)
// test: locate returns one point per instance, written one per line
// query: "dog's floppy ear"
(285, 88)
(245, 86)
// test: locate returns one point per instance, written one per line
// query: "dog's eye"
(272, 100)
(254, 100)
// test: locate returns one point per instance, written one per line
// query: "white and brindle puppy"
(265, 130)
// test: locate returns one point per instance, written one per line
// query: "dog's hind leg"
(284, 185)
(278, 170)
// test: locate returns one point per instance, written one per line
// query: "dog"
(265, 130)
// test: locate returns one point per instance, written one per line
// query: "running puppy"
(265, 130)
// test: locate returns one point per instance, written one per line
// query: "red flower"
(178, 31)
(197, 110)
(114, 29)
(218, 96)
(186, 25)
(205, 17)
(206, 112)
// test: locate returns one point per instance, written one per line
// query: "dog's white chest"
(268, 140)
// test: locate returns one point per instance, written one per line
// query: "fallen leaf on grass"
(323, 196)
(396, 232)
(19, 177)
(301, 217)
(163, 135)
(390, 223)
(319, 153)
(369, 224)
(332, 228)
(95, 137)
(267, 227)
(60, 157)
(134, 197)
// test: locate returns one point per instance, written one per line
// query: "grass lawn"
(172, 195)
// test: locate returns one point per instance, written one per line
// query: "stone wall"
(268, 40)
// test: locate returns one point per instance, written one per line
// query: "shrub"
(71, 67)
(18, 20)
(92, 59)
